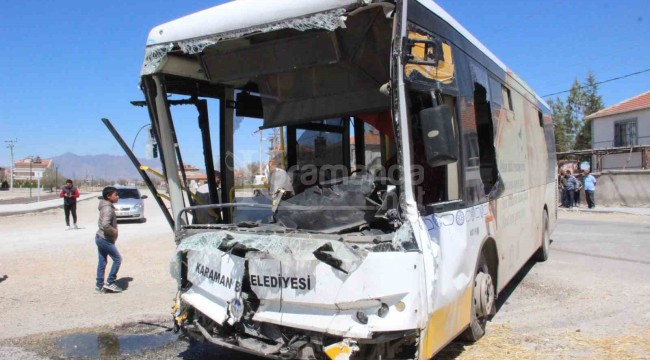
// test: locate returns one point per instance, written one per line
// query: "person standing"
(279, 181)
(105, 239)
(590, 189)
(571, 185)
(211, 215)
(70, 193)
(577, 192)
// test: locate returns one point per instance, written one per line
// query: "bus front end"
(291, 295)
(321, 262)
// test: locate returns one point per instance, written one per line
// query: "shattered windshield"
(309, 112)
(319, 177)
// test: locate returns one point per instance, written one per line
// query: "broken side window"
(484, 130)
(433, 184)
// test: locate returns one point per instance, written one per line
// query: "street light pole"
(11, 149)
(56, 177)
(138, 133)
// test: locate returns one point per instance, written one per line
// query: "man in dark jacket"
(571, 186)
(70, 193)
(105, 240)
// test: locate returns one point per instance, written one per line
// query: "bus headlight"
(383, 310)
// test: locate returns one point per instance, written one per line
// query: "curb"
(602, 211)
(45, 208)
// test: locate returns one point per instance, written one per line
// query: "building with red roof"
(27, 168)
(622, 125)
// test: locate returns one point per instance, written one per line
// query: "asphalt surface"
(589, 300)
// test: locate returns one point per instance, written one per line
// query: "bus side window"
(432, 184)
(485, 138)
(453, 179)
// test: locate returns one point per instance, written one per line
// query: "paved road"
(589, 300)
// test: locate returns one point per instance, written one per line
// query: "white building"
(25, 168)
(622, 125)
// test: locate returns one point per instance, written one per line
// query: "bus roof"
(228, 17)
(225, 21)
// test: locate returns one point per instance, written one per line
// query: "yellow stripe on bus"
(446, 323)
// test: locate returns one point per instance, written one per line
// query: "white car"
(131, 204)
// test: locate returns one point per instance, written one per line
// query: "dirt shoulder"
(49, 272)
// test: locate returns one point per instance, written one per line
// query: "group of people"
(570, 188)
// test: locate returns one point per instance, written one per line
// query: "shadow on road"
(3, 278)
(131, 221)
(124, 282)
(516, 280)
(197, 350)
(456, 347)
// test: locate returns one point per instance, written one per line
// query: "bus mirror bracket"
(438, 136)
(432, 51)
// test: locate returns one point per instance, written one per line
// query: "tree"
(52, 179)
(572, 132)
(592, 103)
(564, 125)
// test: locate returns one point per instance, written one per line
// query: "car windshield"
(128, 193)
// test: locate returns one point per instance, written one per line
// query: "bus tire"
(542, 253)
(483, 296)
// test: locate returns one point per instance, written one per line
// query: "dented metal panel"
(291, 283)
(228, 17)
(195, 32)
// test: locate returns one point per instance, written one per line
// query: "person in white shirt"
(208, 216)
(590, 188)
(279, 181)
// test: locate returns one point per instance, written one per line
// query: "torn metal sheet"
(153, 57)
(287, 276)
(283, 248)
(328, 20)
(216, 280)
(404, 239)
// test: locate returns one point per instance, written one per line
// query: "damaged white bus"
(422, 177)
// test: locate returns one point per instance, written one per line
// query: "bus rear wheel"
(542, 253)
(482, 302)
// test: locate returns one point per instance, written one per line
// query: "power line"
(601, 82)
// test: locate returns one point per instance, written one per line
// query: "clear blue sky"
(67, 64)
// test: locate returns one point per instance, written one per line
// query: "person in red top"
(70, 193)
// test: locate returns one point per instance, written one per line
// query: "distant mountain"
(107, 167)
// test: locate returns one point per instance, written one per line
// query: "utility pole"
(31, 160)
(261, 142)
(261, 149)
(11, 144)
